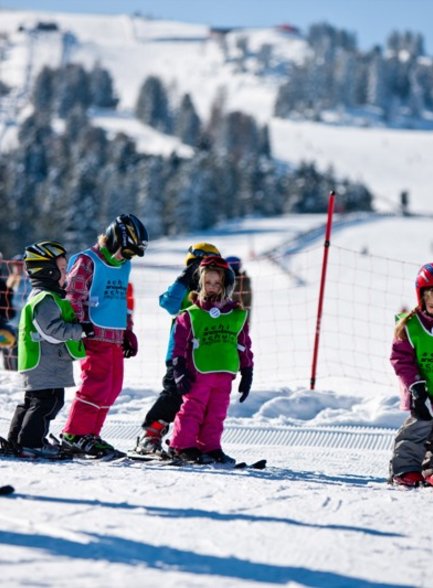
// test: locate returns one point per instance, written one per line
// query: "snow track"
(121, 433)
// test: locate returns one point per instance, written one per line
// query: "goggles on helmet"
(132, 250)
(198, 252)
(214, 261)
(126, 239)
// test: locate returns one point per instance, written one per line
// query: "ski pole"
(326, 246)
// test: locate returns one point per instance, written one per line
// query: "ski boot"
(218, 456)
(46, 451)
(91, 446)
(150, 442)
(409, 479)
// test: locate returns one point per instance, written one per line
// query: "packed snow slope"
(320, 515)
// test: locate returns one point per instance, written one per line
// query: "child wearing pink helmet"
(412, 360)
(211, 344)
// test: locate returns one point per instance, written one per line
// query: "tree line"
(394, 83)
(68, 181)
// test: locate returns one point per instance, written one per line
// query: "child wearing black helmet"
(97, 289)
(49, 340)
(211, 344)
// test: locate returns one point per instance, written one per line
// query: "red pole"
(326, 246)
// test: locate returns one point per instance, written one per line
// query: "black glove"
(130, 344)
(88, 329)
(187, 275)
(182, 376)
(420, 401)
(245, 383)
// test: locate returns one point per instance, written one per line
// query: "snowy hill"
(191, 59)
(322, 514)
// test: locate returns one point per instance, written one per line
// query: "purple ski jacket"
(403, 359)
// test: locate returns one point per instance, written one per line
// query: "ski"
(115, 455)
(6, 490)
(136, 456)
(239, 465)
(256, 465)
(166, 460)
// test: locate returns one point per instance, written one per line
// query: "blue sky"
(372, 20)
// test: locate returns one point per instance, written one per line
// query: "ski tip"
(259, 465)
(133, 455)
(5, 490)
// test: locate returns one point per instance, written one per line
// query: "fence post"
(326, 246)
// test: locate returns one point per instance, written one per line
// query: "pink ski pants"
(200, 420)
(101, 383)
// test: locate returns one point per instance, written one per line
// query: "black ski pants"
(168, 402)
(31, 420)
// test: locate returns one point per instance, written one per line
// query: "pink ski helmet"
(423, 280)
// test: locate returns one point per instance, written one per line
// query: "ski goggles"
(131, 250)
(199, 252)
(214, 261)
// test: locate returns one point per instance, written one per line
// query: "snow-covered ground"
(321, 514)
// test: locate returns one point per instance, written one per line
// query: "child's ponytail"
(400, 331)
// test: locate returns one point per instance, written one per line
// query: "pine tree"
(72, 89)
(43, 90)
(101, 88)
(152, 106)
(187, 124)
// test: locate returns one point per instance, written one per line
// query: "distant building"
(40, 26)
(220, 31)
(46, 27)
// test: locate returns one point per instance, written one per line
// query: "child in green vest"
(211, 344)
(175, 299)
(49, 340)
(412, 360)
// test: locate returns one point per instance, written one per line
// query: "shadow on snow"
(124, 551)
(166, 512)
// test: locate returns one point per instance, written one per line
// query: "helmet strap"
(110, 259)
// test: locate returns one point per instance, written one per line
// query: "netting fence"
(362, 296)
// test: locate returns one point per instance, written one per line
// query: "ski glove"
(182, 376)
(420, 402)
(186, 278)
(245, 383)
(88, 329)
(130, 344)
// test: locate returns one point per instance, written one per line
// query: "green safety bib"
(215, 343)
(29, 341)
(422, 341)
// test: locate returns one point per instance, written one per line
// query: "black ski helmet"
(40, 259)
(129, 234)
